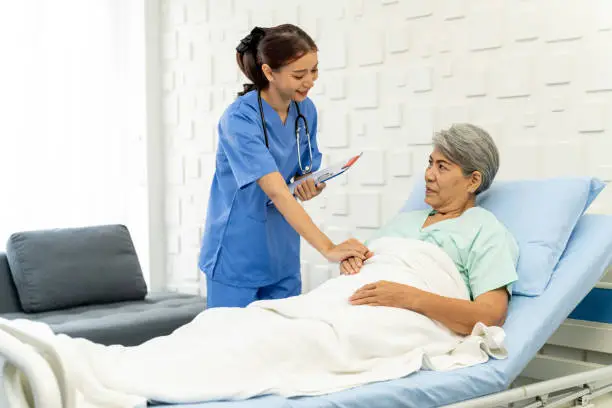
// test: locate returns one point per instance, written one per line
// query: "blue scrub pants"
(222, 295)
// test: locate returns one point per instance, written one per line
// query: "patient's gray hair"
(472, 149)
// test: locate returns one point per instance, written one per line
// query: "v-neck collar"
(269, 111)
(433, 212)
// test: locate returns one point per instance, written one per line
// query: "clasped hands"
(381, 293)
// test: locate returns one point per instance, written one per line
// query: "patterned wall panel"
(537, 75)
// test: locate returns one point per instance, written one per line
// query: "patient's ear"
(475, 181)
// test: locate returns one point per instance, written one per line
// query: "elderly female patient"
(463, 164)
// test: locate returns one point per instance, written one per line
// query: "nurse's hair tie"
(250, 41)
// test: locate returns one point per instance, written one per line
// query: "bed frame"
(574, 368)
(589, 389)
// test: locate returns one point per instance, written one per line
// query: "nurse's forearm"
(276, 188)
(299, 219)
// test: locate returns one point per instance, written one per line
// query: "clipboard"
(323, 175)
(328, 173)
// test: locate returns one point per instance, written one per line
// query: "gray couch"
(87, 282)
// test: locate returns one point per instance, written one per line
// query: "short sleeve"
(492, 261)
(242, 140)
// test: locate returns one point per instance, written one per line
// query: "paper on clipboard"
(328, 173)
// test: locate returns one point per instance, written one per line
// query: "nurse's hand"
(348, 249)
(353, 265)
(307, 190)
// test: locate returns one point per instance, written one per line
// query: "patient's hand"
(384, 293)
(352, 265)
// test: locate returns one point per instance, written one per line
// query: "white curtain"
(72, 114)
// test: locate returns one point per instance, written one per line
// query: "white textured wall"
(537, 75)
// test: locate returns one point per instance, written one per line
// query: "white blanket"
(306, 345)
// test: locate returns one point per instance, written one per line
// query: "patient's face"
(446, 185)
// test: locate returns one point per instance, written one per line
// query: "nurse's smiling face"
(294, 80)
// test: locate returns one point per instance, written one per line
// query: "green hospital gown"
(483, 250)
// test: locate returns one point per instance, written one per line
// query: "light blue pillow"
(541, 214)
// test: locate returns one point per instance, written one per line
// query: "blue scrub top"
(246, 242)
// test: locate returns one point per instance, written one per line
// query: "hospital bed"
(531, 322)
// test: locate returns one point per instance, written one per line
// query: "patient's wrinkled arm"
(459, 315)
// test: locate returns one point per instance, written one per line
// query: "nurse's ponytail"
(275, 46)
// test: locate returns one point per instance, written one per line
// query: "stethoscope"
(307, 168)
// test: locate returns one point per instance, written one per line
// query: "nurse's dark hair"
(275, 46)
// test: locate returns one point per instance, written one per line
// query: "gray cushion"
(125, 323)
(9, 301)
(61, 268)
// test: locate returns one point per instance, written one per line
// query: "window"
(71, 135)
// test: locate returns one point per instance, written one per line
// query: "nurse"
(267, 138)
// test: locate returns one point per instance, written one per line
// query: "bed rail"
(43, 388)
(580, 388)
